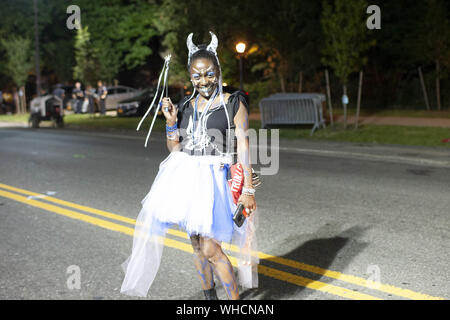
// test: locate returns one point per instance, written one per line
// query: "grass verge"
(392, 113)
(378, 134)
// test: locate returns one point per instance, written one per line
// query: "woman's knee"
(211, 250)
(195, 241)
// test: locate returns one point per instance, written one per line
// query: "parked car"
(136, 106)
(139, 104)
(48, 107)
(117, 94)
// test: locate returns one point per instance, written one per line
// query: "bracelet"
(172, 128)
(172, 138)
(248, 191)
(172, 135)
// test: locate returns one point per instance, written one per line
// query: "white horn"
(213, 44)
(191, 46)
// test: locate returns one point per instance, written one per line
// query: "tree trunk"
(424, 89)
(282, 84)
(358, 104)
(17, 102)
(23, 100)
(438, 87)
(330, 107)
(300, 82)
(344, 90)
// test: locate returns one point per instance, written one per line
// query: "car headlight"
(126, 106)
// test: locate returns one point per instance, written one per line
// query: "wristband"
(172, 134)
(171, 128)
(248, 191)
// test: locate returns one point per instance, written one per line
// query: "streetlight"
(240, 48)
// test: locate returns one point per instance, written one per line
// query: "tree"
(85, 68)
(345, 39)
(434, 39)
(119, 32)
(285, 37)
(18, 64)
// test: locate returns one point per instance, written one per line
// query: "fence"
(293, 108)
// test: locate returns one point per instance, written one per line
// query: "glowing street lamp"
(240, 48)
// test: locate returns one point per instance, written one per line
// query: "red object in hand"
(237, 181)
(446, 140)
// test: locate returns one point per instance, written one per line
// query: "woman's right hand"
(171, 113)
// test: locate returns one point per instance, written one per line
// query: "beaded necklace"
(201, 119)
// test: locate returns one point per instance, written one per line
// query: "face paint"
(204, 76)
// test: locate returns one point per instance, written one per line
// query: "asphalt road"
(337, 221)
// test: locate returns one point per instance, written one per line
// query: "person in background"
(78, 94)
(59, 91)
(1, 103)
(89, 96)
(8, 101)
(102, 93)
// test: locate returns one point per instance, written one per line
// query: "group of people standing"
(89, 95)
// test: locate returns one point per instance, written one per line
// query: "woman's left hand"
(248, 202)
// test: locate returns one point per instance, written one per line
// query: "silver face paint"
(204, 76)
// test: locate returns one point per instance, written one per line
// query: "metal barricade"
(293, 108)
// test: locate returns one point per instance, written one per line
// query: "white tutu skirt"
(193, 193)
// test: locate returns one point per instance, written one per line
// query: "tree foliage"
(345, 37)
(18, 62)
(119, 33)
(85, 69)
(433, 34)
(284, 38)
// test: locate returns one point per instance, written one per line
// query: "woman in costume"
(191, 188)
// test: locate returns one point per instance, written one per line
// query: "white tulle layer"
(192, 192)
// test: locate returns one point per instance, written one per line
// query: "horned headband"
(164, 73)
(212, 46)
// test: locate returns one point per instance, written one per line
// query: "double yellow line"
(37, 200)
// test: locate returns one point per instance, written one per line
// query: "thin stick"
(422, 82)
(330, 107)
(358, 105)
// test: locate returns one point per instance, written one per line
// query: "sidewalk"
(399, 121)
(396, 121)
(413, 155)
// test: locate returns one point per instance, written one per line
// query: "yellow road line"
(349, 278)
(270, 272)
(71, 205)
(406, 293)
(68, 213)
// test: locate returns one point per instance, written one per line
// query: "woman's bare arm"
(173, 143)
(243, 151)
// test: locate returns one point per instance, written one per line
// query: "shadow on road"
(338, 250)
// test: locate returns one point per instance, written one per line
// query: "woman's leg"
(202, 265)
(212, 251)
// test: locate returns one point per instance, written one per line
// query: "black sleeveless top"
(213, 140)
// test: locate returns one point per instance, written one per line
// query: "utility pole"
(36, 53)
(241, 73)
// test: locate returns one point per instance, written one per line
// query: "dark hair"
(206, 54)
